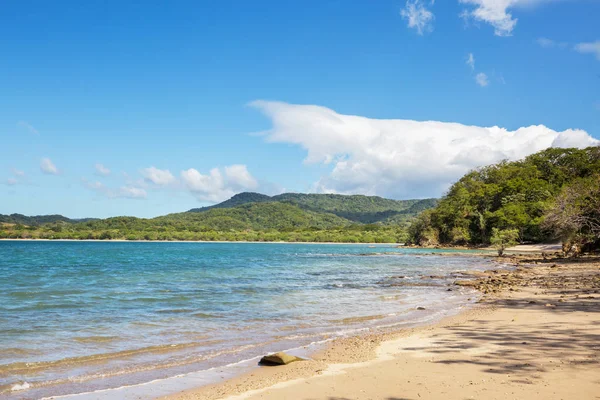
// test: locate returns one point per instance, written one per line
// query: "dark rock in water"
(278, 359)
(421, 308)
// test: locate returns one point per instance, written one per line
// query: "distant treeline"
(553, 194)
(38, 219)
(251, 217)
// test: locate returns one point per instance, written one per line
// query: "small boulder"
(280, 358)
(421, 308)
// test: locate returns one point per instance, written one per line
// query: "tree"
(506, 195)
(501, 239)
(574, 216)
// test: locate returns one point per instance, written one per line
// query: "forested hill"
(38, 219)
(550, 195)
(356, 208)
(252, 217)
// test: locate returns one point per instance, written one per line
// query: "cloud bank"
(218, 186)
(401, 158)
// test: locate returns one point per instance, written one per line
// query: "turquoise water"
(83, 316)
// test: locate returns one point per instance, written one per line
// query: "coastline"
(511, 251)
(192, 241)
(534, 334)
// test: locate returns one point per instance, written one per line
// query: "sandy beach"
(534, 335)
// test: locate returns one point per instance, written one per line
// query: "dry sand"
(535, 335)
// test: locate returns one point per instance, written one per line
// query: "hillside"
(356, 208)
(252, 216)
(248, 216)
(38, 219)
(549, 195)
(237, 200)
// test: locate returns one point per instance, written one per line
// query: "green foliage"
(506, 196)
(574, 215)
(501, 239)
(283, 220)
(356, 208)
(36, 220)
(237, 200)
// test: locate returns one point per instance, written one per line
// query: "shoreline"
(537, 248)
(511, 251)
(192, 241)
(512, 342)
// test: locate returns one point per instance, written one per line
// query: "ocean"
(80, 317)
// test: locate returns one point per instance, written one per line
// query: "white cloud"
(27, 126)
(48, 167)
(102, 170)
(160, 177)
(11, 181)
(592, 48)
(549, 43)
(127, 191)
(471, 61)
(496, 12)
(131, 192)
(401, 158)
(17, 172)
(418, 16)
(215, 186)
(238, 176)
(482, 79)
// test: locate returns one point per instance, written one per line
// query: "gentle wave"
(29, 367)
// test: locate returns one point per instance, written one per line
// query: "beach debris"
(280, 358)
(20, 386)
(466, 283)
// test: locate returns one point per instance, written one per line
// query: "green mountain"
(355, 208)
(237, 200)
(252, 217)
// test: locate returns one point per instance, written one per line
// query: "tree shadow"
(524, 353)
(388, 398)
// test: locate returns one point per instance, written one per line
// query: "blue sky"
(145, 108)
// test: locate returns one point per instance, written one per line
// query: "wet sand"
(534, 335)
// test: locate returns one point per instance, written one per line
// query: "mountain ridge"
(357, 208)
